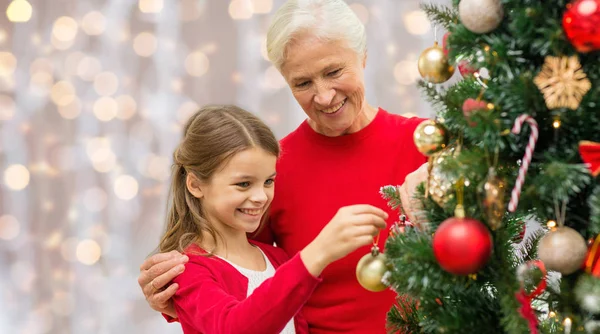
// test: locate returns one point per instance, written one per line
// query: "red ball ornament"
(445, 44)
(466, 69)
(462, 245)
(471, 106)
(580, 22)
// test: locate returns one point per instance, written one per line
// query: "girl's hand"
(352, 227)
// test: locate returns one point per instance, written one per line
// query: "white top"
(256, 278)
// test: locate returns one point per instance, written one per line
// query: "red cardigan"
(212, 295)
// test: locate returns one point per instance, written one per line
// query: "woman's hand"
(352, 227)
(155, 275)
(412, 207)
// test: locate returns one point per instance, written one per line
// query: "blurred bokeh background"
(93, 95)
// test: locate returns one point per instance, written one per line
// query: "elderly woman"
(341, 155)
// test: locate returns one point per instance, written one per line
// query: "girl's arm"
(204, 304)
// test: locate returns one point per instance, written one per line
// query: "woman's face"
(326, 78)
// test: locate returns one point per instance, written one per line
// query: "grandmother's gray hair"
(330, 20)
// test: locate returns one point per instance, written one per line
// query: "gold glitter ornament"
(440, 185)
(491, 193)
(430, 137)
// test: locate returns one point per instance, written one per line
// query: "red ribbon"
(590, 154)
(525, 298)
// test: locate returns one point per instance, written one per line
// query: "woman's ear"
(193, 185)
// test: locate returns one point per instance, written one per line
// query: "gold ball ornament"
(433, 65)
(563, 250)
(480, 16)
(371, 269)
(491, 193)
(441, 184)
(430, 137)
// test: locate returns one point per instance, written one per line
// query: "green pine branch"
(442, 15)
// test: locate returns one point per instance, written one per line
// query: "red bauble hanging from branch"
(580, 22)
(462, 246)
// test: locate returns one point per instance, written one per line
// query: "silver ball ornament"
(480, 16)
(563, 250)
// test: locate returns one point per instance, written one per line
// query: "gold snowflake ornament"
(563, 82)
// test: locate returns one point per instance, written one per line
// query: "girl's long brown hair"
(211, 137)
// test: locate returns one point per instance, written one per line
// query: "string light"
(556, 124)
(567, 324)
(551, 224)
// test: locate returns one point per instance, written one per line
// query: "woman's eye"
(302, 84)
(333, 73)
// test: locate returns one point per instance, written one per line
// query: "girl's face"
(239, 193)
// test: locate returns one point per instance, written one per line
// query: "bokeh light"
(190, 10)
(106, 83)
(150, 6)
(93, 23)
(126, 107)
(63, 93)
(126, 187)
(262, 6)
(88, 68)
(145, 44)
(186, 110)
(9, 227)
(16, 177)
(406, 72)
(197, 64)
(416, 22)
(64, 32)
(64, 29)
(240, 9)
(8, 63)
(71, 110)
(101, 155)
(106, 109)
(19, 11)
(7, 107)
(88, 252)
(3, 36)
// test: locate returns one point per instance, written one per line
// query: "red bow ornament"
(590, 154)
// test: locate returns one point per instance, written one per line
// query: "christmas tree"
(516, 139)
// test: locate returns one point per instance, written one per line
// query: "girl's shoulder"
(199, 256)
(275, 254)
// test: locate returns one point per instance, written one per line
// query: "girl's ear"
(193, 185)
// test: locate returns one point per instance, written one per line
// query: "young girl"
(223, 183)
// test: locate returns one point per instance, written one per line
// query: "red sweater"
(212, 295)
(316, 175)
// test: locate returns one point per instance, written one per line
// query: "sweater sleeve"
(203, 302)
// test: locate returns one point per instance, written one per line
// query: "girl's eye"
(269, 182)
(243, 184)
